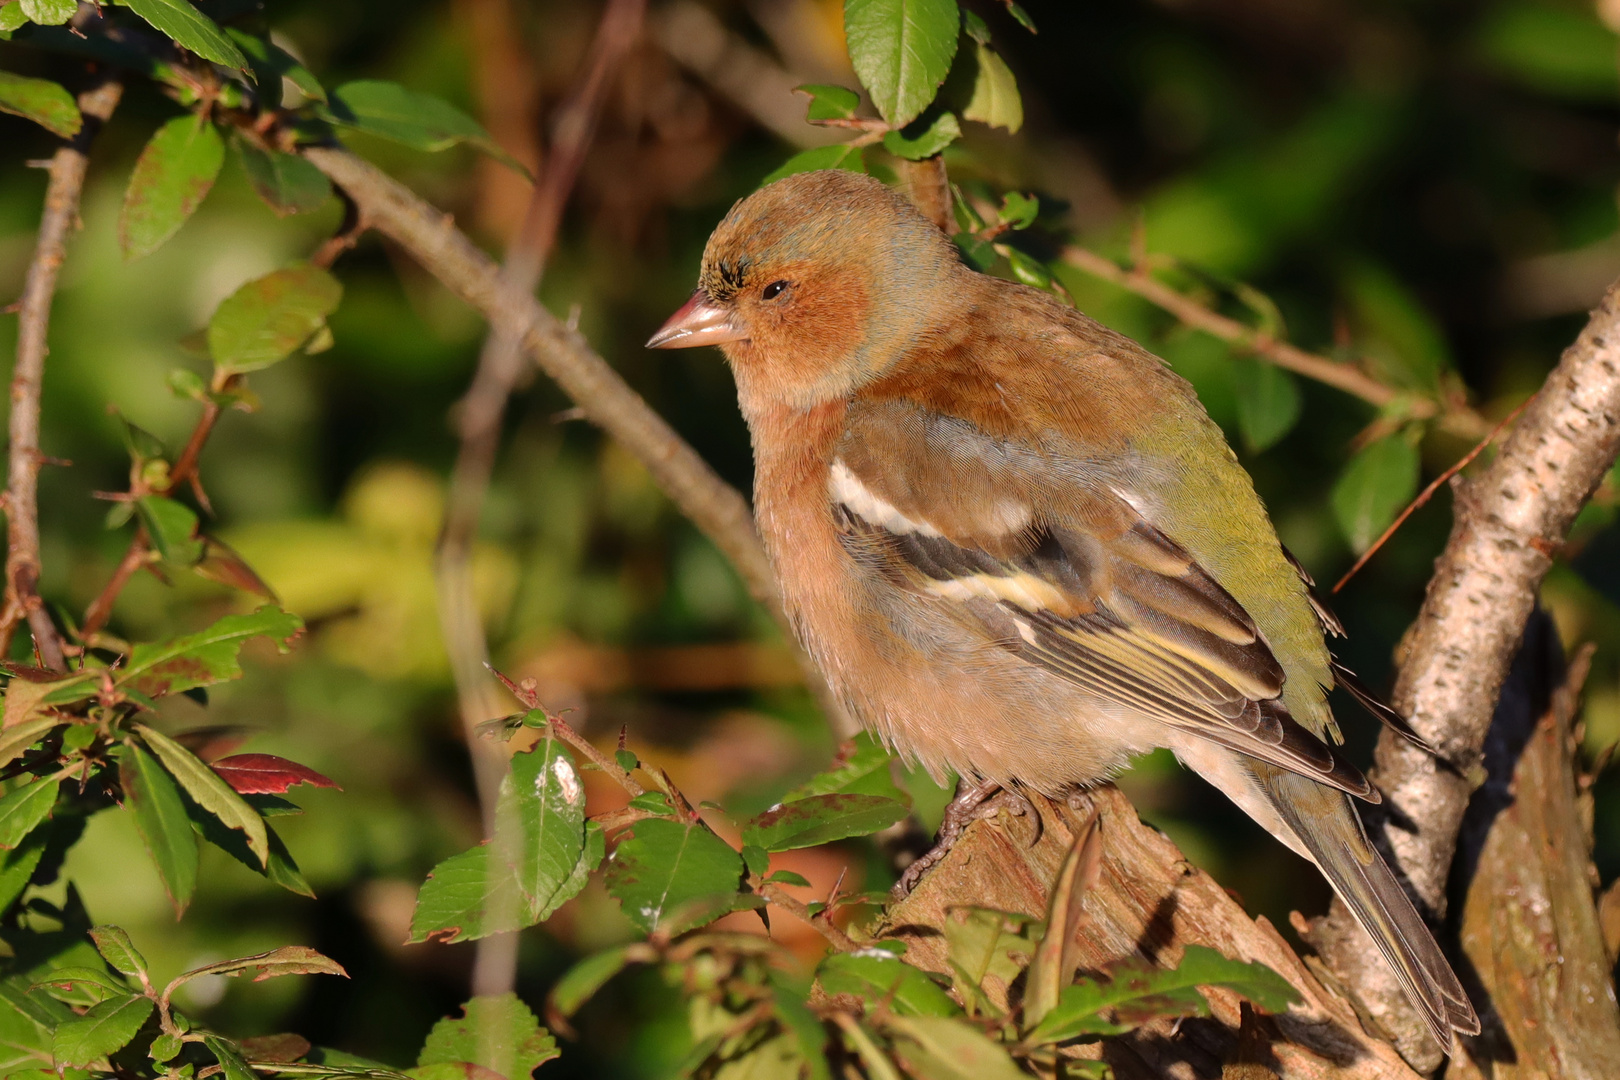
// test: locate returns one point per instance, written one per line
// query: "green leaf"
(1268, 401)
(496, 1032)
(667, 864)
(209, 791)
(271, 63)
(286, 182)
(984, 944)
(626, 758)
(1018, 210)
(420, 121)
(1022, 16)
(102, 985)
(115, 947)
(948, 1049)
(190, 29)
(902, 51)
(981, 86)
(1375, 486)
(231, 1065)
(652, 802)
(979, 253)
(928, 136)
(49, 12)
(1137, 992)
(17, 868)
(829, 102)
(280, 870)
(17, 737)
(822, 819)
(165, 1047)
(862, 767)
(23, 808)
(875, 976)
(805, 1026)
(172, 528)
(42, 101)
(1028, 269)
(836, 156)
(107, 1027)
(12, 17)
(207, 657)
(162, 821)
(172, 176)
(269, 317)
(287, 960)
(581, 982)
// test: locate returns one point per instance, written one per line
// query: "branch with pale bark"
(1510, 522)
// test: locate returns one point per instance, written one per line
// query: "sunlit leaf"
(15, 739)
(982, 86)
(836, 156)
(496, 1032)
(862, 767)
(115, 947)
(581, 982)
(1135, 992)
(172, 176)
(286, 182)
(23, 808)
(17, 868)
(1374, 487)
(822, 819)
(231, 1065)
(1268, 401)
(925, 138)
(266, 774)
(902, 51)
(829, 102)
(287, 960)
(666, 864)
(1018, 210)
(942, 1048)
(983, 944)
(209, 792)
(876, 976)
(190, 29)
(267, 318)
(44, 102)
(162, 821)
(107, 1027)
(98, 982)
(209, 656)
(280, 870)
(48, 12)
(418, 120)
(1028, 269)
(271, 63)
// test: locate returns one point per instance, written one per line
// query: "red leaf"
(266, 774)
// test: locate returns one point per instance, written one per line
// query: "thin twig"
(1457, 419)
(61, 215)
(1428, 493)
(500, 366)
(823, 925)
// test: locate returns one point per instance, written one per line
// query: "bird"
(1016, 544)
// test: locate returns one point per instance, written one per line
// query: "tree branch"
(717, 508)
(1510, 523)
(1458, 419)
(61, 215)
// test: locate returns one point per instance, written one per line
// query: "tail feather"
(1326, 823)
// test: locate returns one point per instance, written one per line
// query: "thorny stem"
(1458, 419)
(822, 921)
(61, 215)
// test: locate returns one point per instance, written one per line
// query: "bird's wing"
(1088, 589)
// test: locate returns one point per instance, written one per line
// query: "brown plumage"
(1015, 542)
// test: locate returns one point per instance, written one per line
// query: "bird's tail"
(1326, 823)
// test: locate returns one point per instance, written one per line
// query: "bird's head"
(814, 285)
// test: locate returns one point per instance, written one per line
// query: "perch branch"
(1510, 522)
(717, 508)
(61, 216)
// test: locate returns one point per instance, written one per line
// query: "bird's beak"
(700, 321)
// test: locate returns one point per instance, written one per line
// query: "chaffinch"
(1017, 545)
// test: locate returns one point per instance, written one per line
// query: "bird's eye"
(773, 290)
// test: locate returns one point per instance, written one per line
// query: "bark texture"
(1509, 524)
(1529, 924)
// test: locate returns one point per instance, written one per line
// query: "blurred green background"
(1427, 183)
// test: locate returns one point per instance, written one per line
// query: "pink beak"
(699, 322)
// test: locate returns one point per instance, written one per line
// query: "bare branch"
(1510, 523)
(61, 215)
(717, 508)
(500, 365)
(1458, 419)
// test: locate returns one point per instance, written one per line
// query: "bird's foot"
(982, 800)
